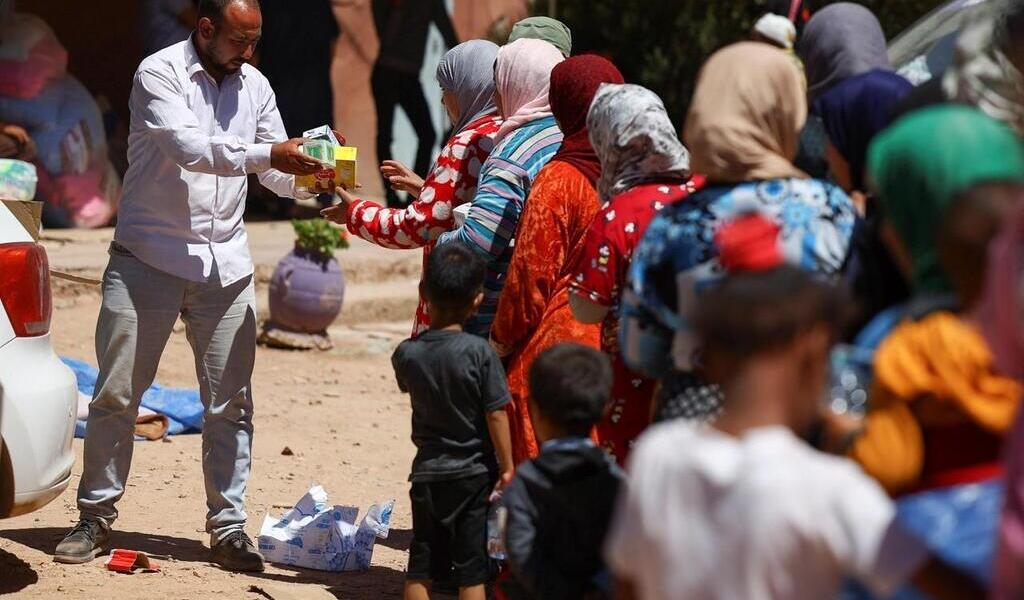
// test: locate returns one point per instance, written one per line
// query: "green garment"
(550, 30)
(923, 161)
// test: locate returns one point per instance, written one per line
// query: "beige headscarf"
(746, 115)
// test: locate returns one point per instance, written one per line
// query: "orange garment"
(935, 399)
(533, 313)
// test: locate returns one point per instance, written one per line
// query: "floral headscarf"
(634, 138)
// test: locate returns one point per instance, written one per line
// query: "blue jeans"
(140, 307)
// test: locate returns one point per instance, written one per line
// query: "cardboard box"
(324, 132)
(325, 180)
(28, 212)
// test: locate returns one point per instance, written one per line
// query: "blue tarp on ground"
(183, 408)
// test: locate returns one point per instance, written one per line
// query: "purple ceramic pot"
(306, 291)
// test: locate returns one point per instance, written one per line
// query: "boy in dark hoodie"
(559, 505)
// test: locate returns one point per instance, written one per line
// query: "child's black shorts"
(449, 531)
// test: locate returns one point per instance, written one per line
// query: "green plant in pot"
(307, 289)
(318, 237)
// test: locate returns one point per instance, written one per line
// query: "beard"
(224, 62)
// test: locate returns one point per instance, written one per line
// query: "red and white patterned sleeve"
(451, 183)
(597, 268)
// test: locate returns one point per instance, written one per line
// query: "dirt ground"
(339, 412)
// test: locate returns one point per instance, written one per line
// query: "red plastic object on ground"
(127, 561)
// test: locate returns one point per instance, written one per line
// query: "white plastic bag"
(315, 536)
(18, 179)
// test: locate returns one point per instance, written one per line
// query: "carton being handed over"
(339, 163)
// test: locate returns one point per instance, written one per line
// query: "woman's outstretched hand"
(339, 212)
(401, 178)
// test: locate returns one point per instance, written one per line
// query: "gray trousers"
(140, 307)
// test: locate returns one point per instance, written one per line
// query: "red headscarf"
(574, 83)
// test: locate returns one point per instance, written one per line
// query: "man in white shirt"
(202, 119)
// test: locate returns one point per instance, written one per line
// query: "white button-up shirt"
(191, 144)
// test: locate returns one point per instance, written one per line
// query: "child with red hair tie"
(745, 508)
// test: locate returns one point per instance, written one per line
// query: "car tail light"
(25, 288)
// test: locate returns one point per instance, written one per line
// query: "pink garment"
(522, 76)
(1002, 320)
(30, 57)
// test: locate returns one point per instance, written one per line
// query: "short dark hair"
(214, 9)
(453, 277)
(570, 385)
(750, 313)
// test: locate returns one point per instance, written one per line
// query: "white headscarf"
(778, 29)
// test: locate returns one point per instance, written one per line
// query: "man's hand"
(288, 157)
(401, 178)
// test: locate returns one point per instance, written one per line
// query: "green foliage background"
(661, 43)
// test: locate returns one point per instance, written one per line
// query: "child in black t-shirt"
(560, 504)
(459, 393)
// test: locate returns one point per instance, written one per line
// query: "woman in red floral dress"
(466, 77)
(644, 168)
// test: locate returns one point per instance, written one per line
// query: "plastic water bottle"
(496, 517)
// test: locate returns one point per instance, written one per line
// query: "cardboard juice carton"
(323, 132)
(339, 167)
(345, 166)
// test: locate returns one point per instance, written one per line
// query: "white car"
(38, 393)
(925, 49)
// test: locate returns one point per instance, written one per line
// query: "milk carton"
(324, 132)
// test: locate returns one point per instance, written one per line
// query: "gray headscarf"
(634, 138)
(467, 70)
(550, 30)
(840, 41)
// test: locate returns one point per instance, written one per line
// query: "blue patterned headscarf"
(855, 110)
